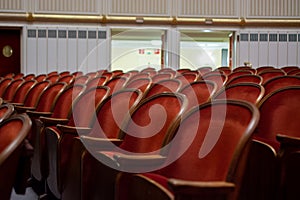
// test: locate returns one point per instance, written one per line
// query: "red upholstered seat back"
(3, 85)
(280, 82)
(198, 92)
(208, 142)
(247, 78)
(112, 111)
(147, 127)
(11, 89)
(47, 99)
(85, 106)
(280, 114)
(142, 84)
(64, 100)
(35, 92)
(23, 90)
(269, 74)
(116, 83)
(170, 85)
(250, 92)
(219, 78)
(96, 81)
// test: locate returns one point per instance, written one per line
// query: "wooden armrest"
(53, 121)
(198, 188)
(37, 114)
(139, 160)
(17, 104)
(100, 143)
(24, 108)
(73, 130)
(288, 140)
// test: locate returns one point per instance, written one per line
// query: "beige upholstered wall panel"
(273, 8)
(139, 7)
(67, 6)
(208, 8)
(12, 5)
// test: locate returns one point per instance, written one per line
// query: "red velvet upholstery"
(277, 109)
(29, 77)
(18, 76)
(40, 77)
(4, 84)
(82, 79)
(287, 69)
(219, 78)
(204, 70)
(53, 78)
(116, 83)
(248, 78)
(64, 73)
(238, 73)
(69, 79)
(170, 85)
(11, 90)
(142, 84)
(96, 81)
(262, 68)
(58, 144)
(269, 74)
(198, 92)
(168, 70)
(13, 132)
(280, 82)
(225, 70)
(110, 115)
(250, 92)
(139, 75)
(161, 76)
(293, 72)
(187, 78)
(33, 96)
(144, 132)
(205, 157)
(22, 92)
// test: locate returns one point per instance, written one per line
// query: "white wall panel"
(12, 5)
(82, 53)
(31, 55)
(283, 52)
(91, 61)
(139, 7)
(292, 54)
(72, 54)
(62, 51)
(210, 8)
(273, 54)
(263, 54)
(42, 65)
(52, 54)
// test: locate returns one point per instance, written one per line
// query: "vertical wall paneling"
(208, 8)
(292, 47)
(67, 6)
(139, 7)
(72, 49)
(273, 49)
(254, 49)
(298, 56)
(42, 57)
(62, 50)
(172, 48)
(282, 49)
(82, 51)
(52, 48)
(273, 8)
(31, 50)
(91, 61)
(263, 55)
(104, 49)
(12, 5)
(244, 48)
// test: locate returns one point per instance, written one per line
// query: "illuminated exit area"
(136, 49)
(200, 48)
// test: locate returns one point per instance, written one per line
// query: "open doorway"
(200, 48)
(136, 49)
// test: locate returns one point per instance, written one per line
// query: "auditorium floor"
(30, 195)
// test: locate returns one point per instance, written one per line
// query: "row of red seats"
(57, 187)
